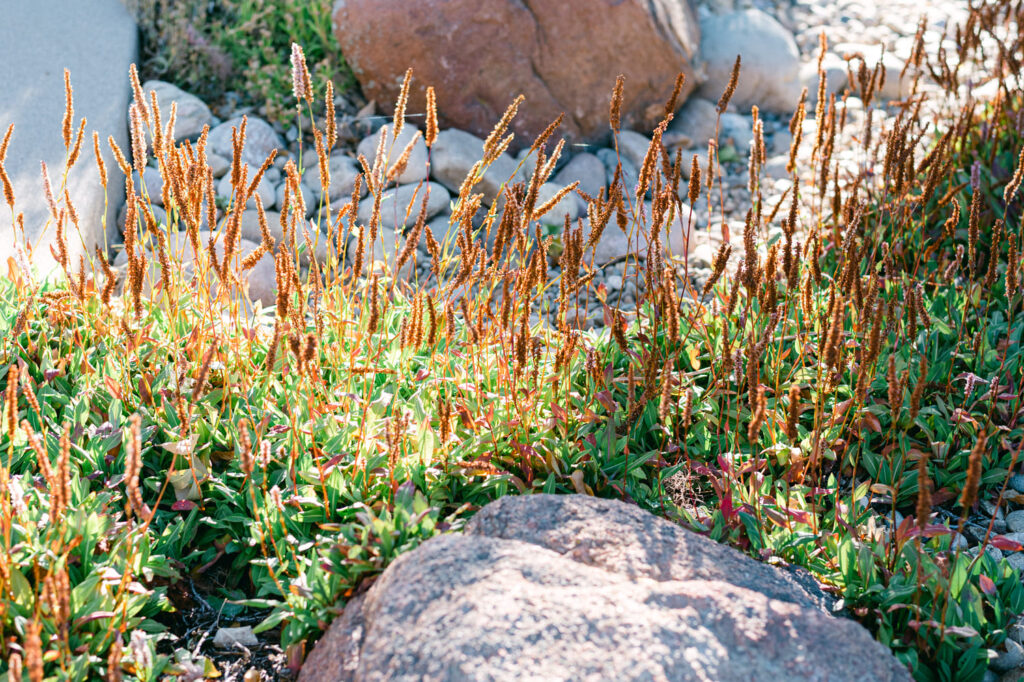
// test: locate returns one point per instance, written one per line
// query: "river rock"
(260, 140)
(415, 170)
(308, 197)
(453, 155)
(192, 112)
(265, 189)
(587, 169)
(399, 207)
(770, 73)
(693, 126)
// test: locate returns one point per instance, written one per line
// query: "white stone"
(192, 113)
(265, 189)
(567, 206)
(454, 154)
(400, 206)
(770, 73)
(416, 169)
(260, 140)
(229, 638)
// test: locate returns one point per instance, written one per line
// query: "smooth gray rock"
(259, 282)
(265, 189)
(158, 213)
(453, 155)
(98, 41)
(416, 169)
(251, 232)
(894, 87)
(308, 197)
(1015, 521)
(586, 168)
(630, 173)
(343, 171)
(835, 77)
(1011, 658)
(192, 112)
(578, 588)
(567, 205)
(218, 164)
(693, 126)
(395, 209)
(633, 147)
(770, 73)
(154, 185)
(260, 140)
(440, 226)
(737, 130)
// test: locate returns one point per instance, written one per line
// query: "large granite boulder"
(577, 588)
(563, 56)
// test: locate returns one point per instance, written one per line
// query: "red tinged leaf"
(113, 387)
(870, 422)
(1004, 543)
(727, 509)
(606, 399)
(987, 585)
(183, 505)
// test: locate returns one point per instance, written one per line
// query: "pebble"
(587, 169)
(1015, 521)
(265, 189)
(415, 169)
(566, 206)
(260, 140)
(192, 113)
(1016, 562)
(218, 165)
(693, 126)
(990, 509)
(455, 152)
(399, 207)
(1012, 658)
(307, 197)
(227, 638)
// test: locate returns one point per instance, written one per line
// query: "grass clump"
(839, 397)
(209, 48)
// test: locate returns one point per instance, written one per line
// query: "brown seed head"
(69, 110)
(403, 99)
(730, 88)
(970, 492)
(615, 114)
(431, 117)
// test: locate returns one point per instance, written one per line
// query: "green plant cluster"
(241, 46)
(860, 368)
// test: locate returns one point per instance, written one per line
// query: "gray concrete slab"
(96, 40)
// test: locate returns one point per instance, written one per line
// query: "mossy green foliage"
(242, 46)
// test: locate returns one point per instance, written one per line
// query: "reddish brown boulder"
(563, 56)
